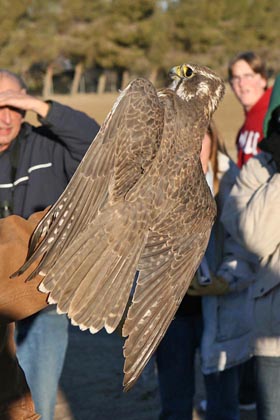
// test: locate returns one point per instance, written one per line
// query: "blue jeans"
(222, 390)
(41, 346)
(175, 357)
(268, 387)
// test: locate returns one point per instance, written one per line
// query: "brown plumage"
(138, 201)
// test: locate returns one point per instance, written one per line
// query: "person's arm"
(74, 129)
(24, 102)
(251, 213)
(237, 266)
(18, 299)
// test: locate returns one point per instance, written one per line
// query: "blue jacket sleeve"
(73, 129)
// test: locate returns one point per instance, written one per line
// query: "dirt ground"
(91, 383)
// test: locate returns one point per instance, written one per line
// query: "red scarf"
(251, 133)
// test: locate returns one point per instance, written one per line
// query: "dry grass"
(228, 117)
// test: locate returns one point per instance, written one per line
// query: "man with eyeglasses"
(248, 80)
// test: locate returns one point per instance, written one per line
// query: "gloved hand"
(18, 299)
(271, 143)
(218, 286)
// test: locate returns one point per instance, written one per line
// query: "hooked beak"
(175, 73)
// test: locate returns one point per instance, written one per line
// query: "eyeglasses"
(247, 77)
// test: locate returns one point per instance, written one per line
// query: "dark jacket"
(46, 158)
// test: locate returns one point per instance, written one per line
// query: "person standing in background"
(214, 315)
(249, 81)
(251, 215)
(36, 164)
(175, 355)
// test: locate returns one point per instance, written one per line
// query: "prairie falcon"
(138, 201)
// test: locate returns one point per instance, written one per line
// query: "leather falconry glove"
(18, 298)
(218, 286)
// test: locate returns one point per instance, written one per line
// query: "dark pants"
(222, 389)
(247, 390)
(176, 367)
(268, 387)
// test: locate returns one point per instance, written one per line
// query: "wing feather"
(167, 266)
(175, 246)
(102, 171)
(94, 288)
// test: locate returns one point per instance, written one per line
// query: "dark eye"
(187, 71)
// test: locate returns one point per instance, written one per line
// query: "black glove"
(271, 143)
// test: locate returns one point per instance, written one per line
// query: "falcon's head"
(194, 81)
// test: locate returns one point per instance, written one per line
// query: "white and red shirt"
(251, 133)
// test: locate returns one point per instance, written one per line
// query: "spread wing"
(122, 151)
(171, 256)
